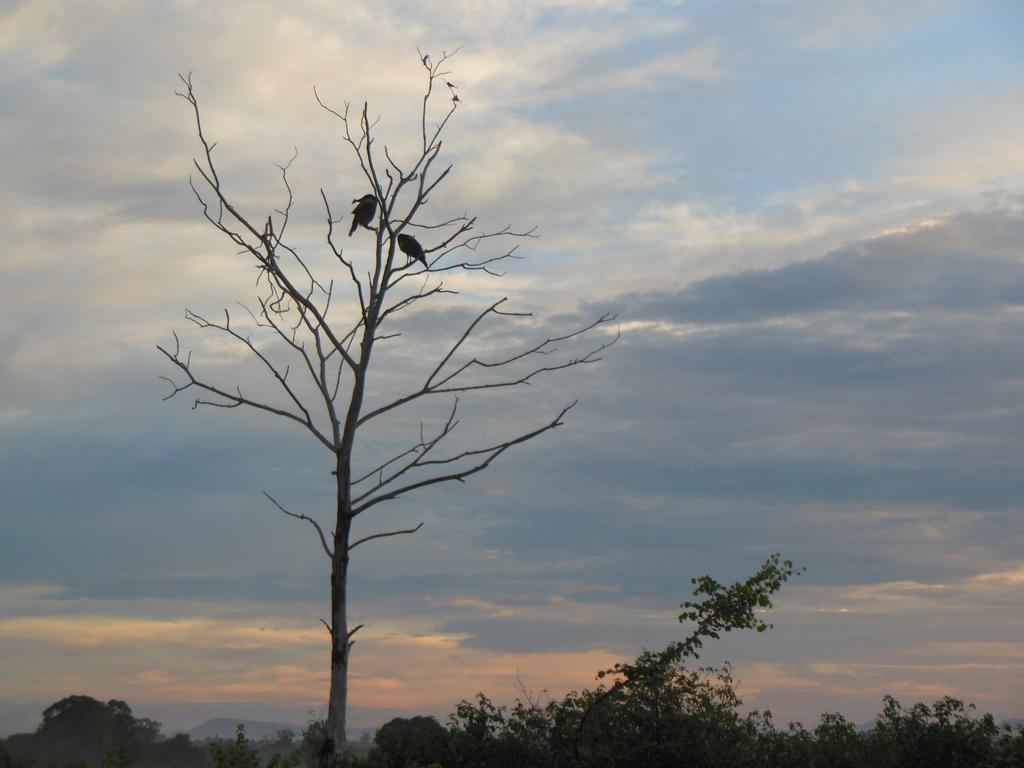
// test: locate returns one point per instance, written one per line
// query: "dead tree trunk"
(341, 639)
(298, 312)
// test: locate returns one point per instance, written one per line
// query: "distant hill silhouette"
(255, 730)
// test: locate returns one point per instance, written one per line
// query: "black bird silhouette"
(363, 213)
(410, 246)
(450, 84)
(455, 97)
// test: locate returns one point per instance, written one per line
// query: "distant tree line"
(683, 718)
(81, 732)
(691, 719)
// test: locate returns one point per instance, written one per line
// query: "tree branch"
(430, 387)
(421, 450)
(233, 400)
(460, 476)
(310, 520)
(267, 260)
(282, 379)
(365, 539)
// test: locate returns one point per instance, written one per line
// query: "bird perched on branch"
(411, 247)
(363, 213)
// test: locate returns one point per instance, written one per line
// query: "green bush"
(240, 754)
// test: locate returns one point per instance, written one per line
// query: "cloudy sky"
(809, 218)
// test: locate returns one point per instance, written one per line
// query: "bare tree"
(316, 348)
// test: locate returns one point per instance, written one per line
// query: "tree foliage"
(241, 754)
(658, 711)
(402, 742)
(96, 732)
(693, 718)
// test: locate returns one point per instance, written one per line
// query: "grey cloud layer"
(970, 263)
(869, 444)
(735, 440)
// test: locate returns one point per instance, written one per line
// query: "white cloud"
(700, 63)
(818, 25)
(27, 36)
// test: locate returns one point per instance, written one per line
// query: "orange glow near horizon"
(238, 653)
